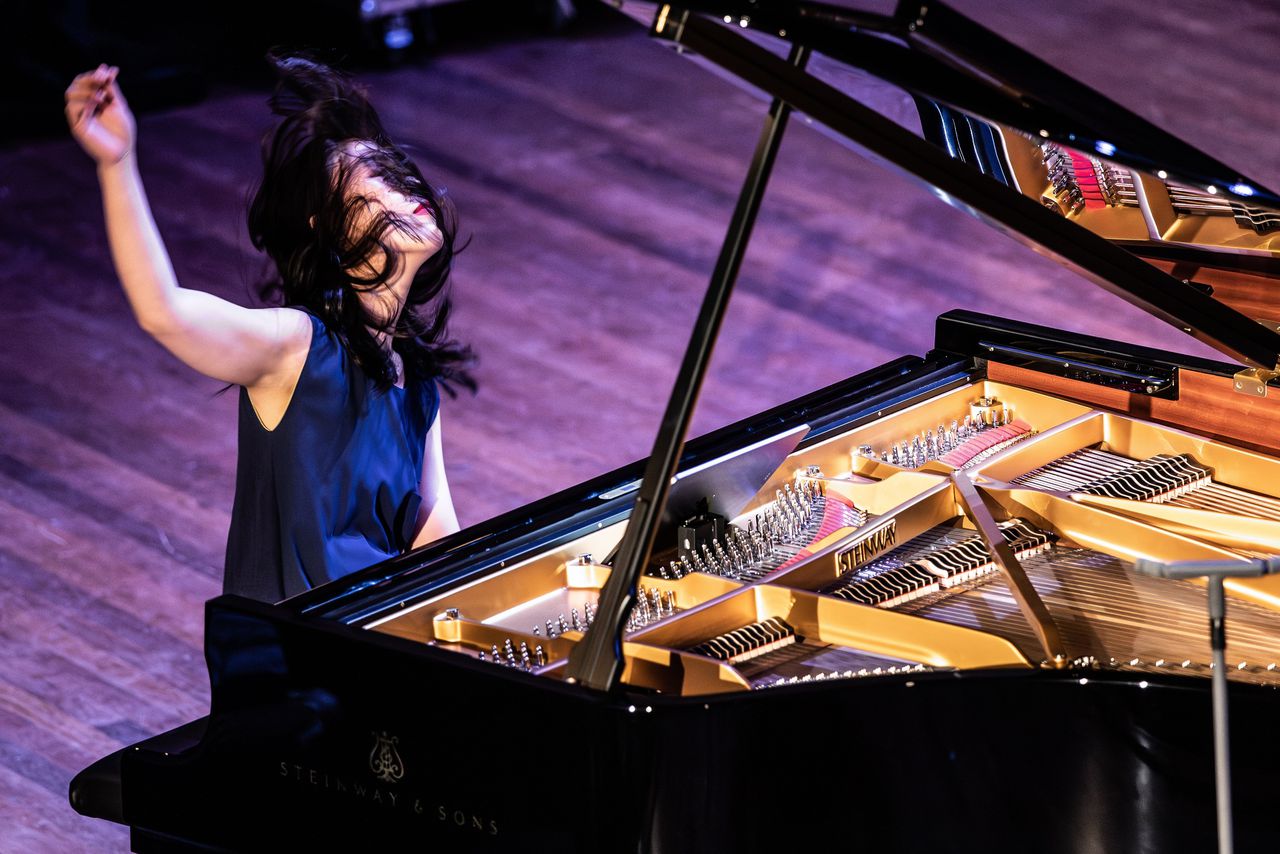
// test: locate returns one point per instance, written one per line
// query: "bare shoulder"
(293, 327)
(290, 330)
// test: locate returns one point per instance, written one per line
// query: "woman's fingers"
(82, 106)
(78, 108)
(88, 79)
(104, 78)
(91, 91)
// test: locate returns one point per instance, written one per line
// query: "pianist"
(340, 462)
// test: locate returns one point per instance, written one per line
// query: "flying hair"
(328, 242)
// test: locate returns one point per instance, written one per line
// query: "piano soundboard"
(857, 561)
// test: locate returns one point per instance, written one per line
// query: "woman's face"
(420, 243)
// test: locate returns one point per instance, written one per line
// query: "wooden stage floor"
(596, 172)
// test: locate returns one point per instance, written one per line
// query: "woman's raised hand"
(98, 116)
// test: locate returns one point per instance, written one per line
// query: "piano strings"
(1105, 610)
(1173, 479)
(939, 559)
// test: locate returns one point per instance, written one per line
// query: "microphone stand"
(1215, 571)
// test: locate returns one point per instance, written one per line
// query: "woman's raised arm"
(231, 343)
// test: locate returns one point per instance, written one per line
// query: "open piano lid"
(938, 97)
(1000, 134)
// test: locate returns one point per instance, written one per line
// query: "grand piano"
(901, 613)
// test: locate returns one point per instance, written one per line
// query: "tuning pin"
(588, 614)
(496, 655)
(539, 657)
(564, 627)
(736, 557)
(481, 656)
(574, 621)
(551, 630)
(722, 558)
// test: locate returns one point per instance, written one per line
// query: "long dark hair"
(304, 216)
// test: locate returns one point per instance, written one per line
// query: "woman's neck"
(389, 300)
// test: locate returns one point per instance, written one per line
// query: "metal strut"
(596, 660)
(1029, 601)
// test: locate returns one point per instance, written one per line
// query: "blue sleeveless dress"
(334, 487)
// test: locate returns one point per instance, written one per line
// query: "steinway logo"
(868, 547)
(384, 761)
(388, 767)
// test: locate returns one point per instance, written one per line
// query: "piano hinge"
(668, 25)
(1253, 381)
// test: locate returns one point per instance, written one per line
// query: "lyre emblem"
(384, 760)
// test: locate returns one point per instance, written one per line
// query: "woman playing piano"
(340, 463)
